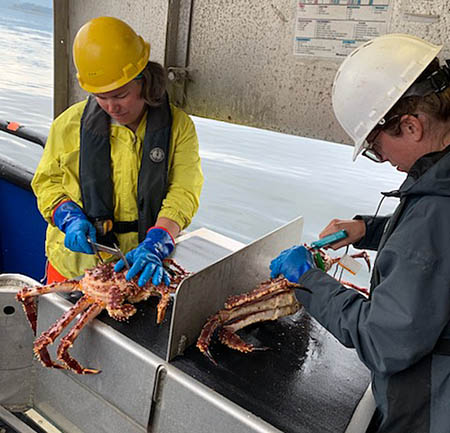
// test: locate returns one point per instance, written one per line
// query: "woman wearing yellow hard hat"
(121, 167)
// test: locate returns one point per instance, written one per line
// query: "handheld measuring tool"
(325, 241)
(330, 239)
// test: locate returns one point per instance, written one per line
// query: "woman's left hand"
(292, 263)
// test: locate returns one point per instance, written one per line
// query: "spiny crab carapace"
(101, 288)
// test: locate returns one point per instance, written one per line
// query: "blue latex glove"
(148, 256)
(71, 220)
(292, 263)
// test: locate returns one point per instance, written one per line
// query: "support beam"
(61, 56)
(177, 49)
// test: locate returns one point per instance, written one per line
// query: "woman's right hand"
(356, 230)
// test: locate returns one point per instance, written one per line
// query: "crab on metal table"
(271, 300)
(101, 288)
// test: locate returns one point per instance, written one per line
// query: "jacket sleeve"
(185, 173)
(407, 311)
(47, 183)
(374, 230)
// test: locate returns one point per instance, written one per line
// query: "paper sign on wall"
(334, 28)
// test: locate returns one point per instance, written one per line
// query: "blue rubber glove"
(71, 220)
(292, 263)
(148, 256)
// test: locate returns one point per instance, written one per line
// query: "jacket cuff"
(181, 219)
(55, 209)
(317, 289)
(374, 231)
(163, 228)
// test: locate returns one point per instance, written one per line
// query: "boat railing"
(23, 131)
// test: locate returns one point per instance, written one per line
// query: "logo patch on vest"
(157, 154)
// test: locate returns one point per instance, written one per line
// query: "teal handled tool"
(325, 241)
(330, 239)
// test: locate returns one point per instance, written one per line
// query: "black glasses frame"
(383, 124)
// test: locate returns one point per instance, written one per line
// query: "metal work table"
(305, 382)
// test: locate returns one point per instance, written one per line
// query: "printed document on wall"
(334, 28)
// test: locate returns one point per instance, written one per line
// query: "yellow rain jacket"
(56, 179)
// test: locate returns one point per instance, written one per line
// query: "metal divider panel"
(205, 292)
(197, 253)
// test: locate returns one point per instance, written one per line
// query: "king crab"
(102, 288)
(271, 300)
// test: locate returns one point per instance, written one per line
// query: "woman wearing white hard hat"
(392, 96)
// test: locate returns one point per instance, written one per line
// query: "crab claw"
(205, 336)
(210, 357)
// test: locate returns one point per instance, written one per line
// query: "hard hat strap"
(436, 82)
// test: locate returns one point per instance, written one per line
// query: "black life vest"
(95, 170)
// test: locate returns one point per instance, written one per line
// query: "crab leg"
(27, 294)
(363, 290)
(68, 340)
(282, 305)
(207, 332)
(162, 305)
(176, 272)
(263, 315)
(361, 255)
(233, 341)
(49, 336)
(272, 287)
(116, 307)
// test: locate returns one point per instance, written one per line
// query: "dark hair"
(435, 105)
(154, 84)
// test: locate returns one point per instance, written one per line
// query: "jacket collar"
(417, 183)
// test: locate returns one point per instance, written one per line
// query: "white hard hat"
(373, 78)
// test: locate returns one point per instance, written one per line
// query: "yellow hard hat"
(108, 54)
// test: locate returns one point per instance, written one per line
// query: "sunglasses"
(369, 145)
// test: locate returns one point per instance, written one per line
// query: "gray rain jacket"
(402, 333)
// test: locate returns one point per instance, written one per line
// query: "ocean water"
(255, 180)
(26, 74)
